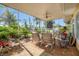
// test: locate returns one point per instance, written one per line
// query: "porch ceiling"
(46, 10)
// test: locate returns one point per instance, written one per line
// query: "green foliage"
(3, 28)
(13, 29)
(8, 18)
(26, 32)
(7, 31)
(38, 30)
(3, 33)
(13, 32)
(49, 24)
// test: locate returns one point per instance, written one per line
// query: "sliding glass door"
(77, 26)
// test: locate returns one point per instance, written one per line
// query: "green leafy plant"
(38, 30)
(4, 35)
(26, 32)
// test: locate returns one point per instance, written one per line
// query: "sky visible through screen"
(22, 17)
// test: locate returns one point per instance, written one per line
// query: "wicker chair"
(47, 38)
(35, 37)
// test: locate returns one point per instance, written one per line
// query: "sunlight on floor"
(36, 51)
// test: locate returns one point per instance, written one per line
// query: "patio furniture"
(49, 45)
(64, 43)
(35, 36)
(61, 41)
(42, 43)
(57, 42)
(47, 38)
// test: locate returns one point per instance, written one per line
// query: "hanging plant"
(49, 24)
